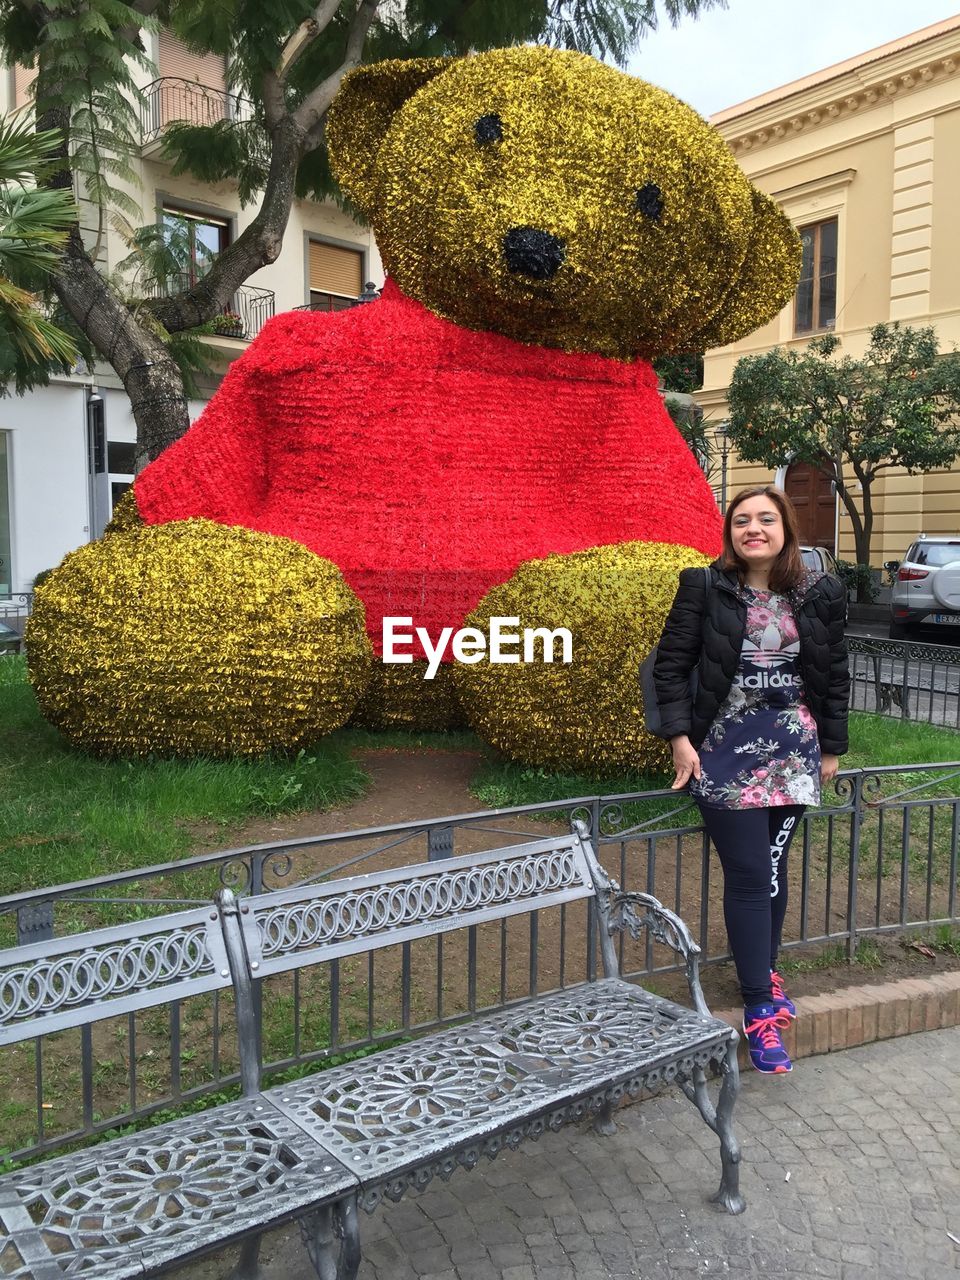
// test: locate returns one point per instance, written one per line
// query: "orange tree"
(853, 419)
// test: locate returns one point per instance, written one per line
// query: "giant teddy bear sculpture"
(486, 440)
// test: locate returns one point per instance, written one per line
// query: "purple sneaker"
(762, 1029)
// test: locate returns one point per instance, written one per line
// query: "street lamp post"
(723, 431)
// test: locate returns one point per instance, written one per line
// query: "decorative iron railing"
(249, 310)
(15, 608)
(175, 100)
(880, 856)
(255, 307)
(904, 679)
(339, 302)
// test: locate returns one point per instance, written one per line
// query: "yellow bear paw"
(192, 638)
(588, 714)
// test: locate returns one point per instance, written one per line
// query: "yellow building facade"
(863, 157)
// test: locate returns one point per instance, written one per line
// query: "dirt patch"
(406, 786)
(891, 960)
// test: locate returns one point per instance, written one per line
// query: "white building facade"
(66, 451)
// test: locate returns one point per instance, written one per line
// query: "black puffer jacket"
(705, 629)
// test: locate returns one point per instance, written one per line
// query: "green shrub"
(859, 581)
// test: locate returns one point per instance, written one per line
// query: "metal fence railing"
(879, 856)
(14, 610)
(249, 310)
(176, 100)
(905, 679)
(255, 307)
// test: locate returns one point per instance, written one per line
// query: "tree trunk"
(862, 527)
(143, 364)
(851, 508)
(866, 530)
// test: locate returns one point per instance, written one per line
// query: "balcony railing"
(249, 310)
(339, 302)
(15, 608)
(254, 307)
(174, 100)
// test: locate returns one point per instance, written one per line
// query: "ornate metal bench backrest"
(293, 928)
(67, 982)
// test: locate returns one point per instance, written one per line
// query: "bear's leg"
(398, 697)
(192, 638)
(587, 715)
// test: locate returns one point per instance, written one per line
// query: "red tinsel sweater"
(427, 460)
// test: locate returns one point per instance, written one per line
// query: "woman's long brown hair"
(788, 567)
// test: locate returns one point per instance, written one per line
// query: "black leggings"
(753, 845)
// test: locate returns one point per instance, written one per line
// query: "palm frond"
(24, 153)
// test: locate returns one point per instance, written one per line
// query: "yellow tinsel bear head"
(543, 195)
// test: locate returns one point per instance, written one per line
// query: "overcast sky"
(728, 55)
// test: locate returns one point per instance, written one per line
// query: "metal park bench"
(320, 1149)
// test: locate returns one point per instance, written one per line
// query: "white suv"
(926, 589)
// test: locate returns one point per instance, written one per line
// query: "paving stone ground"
(870, 1139)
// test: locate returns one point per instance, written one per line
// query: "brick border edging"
(860, 1015)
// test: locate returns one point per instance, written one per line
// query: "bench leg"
(604, 1123)
(720, 1120)
(332, 1237)
(729, 1194)
(248, 1264)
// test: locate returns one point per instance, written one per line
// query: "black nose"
(530, 252)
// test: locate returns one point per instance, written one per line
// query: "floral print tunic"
(762, 749)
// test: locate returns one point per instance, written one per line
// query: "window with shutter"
(176, 59)
(23, 77)
(193, 86)
(336, 276)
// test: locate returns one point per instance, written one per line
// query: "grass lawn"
(66, 816)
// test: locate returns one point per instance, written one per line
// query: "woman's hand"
(686, 762)
(828, 768)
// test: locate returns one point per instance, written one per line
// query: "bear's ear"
(360, 116)
(767, 280)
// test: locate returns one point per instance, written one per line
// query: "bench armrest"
(635, 912)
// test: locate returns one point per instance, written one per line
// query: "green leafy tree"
(852, 419)
(682, 373)
(286, 58)
(33, 228)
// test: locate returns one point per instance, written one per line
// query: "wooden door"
(812, 494)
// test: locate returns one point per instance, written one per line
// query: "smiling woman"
(765, 725)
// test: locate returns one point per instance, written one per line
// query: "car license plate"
(947, 619)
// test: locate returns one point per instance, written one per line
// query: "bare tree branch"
(309, 115)
(301, 40)
(305, 35)
(324, 14)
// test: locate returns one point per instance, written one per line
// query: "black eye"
(488, 129)
(649, 201)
